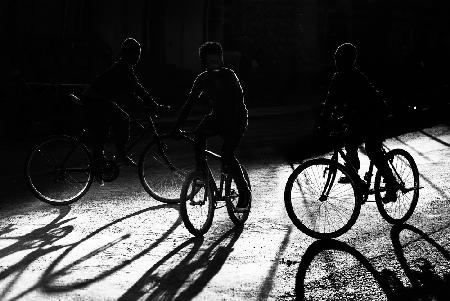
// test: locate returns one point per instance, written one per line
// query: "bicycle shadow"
(169, 286)
(426, 284)
(9, 228)
(421, 273)
(40, 240)
(333, 282)
(49, 281)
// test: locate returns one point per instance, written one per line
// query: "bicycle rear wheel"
(196, 204)
(164, 165)
(405, 171)
(58, 170)
(317, 203)
(237, 218)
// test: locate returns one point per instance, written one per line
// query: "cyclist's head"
(131, 51)
(345, 56)
(211, 55)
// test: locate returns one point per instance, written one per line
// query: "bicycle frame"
(365, 191)
(217, 192)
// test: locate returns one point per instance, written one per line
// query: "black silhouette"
(319, 247)
(354, 101)
(426, 284)
(105, 100)
(228, 117)
(40, 241)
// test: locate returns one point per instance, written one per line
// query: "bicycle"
(59, 169)
(324, 199)
(200, 196)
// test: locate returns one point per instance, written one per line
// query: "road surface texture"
(117, 243)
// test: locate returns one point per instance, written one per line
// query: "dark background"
(281, 49)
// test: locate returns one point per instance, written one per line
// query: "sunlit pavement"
(117, 243)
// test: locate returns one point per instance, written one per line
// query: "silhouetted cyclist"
(362, 108)
(227, 119)
(104, 101)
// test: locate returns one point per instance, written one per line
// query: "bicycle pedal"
(241, 210)
(194, 203)
(199, 182)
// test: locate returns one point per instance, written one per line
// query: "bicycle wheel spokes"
(316, 213)
(163, 170)
(196, 205)
(405, 171)
(58, 170)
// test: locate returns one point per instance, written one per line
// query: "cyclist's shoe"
(125, 160)
(98, 179)
(96, 173)
(344, 180)
(348, 180)
(200, 182)
(391, 195)
(243, 204)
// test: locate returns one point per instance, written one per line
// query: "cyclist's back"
(353, 96)
(225, 96)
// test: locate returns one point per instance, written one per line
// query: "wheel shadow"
(202, 264)
(426, 284)
(323, 245)
(421, 272)
(49, 281)
(41, 241)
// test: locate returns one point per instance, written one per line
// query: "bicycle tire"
(301, 177)
(386, 210)
(51, 149)
(190, 190)
(156, 174)
(238, 218)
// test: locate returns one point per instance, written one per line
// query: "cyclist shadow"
(324, 245)
(9, 228)
(41, 241)
(426, 283)
(169, 285)
(50, 283)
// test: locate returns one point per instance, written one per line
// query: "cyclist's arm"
(329, 104)
(382, 106)
(194, 94)
(138, 90)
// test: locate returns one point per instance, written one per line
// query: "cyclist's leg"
(97, 121)
(205, 129)
(120, 122)
(352, 143)
(374, 149)
(231, 141)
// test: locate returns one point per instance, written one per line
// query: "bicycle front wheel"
(317, 202)
(237, 218)
(196, 204)
(58, 170)
(405, 171)
(164, 165)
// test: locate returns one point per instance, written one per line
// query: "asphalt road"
(117, 243)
